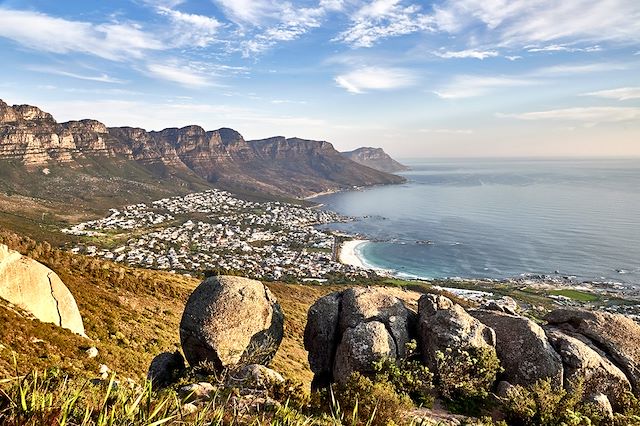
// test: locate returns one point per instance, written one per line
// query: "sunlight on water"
(499, 219)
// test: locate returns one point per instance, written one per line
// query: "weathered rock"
(257, 376)
(231, 319)
(38, 290)
(165, 367)
(361, 304)
(523, 348)
(587, 364)
(321, 334)
(446, 325)
(196, 392)
(614, 334)
(360, 347)
(602, 404)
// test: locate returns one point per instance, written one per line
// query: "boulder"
(257, 376)
(583, 362)
(228, 320)
(360, 304)
(523, 348)
(360, 347)
(165, 367)
(616, 335)
(38, 290)
(321, 335)
(446, 325)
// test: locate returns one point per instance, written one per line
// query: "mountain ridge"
(279, 166)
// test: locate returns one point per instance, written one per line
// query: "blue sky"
(418, 78)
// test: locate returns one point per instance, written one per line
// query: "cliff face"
(279, 166)
(375, 158)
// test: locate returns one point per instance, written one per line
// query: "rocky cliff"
(279, 166)
(375, 158)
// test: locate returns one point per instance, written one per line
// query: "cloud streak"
(113, 41)
(365, 79)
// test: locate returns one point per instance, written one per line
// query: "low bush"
(464, 377)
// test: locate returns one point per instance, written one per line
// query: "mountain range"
(83, 159)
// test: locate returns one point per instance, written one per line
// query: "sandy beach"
(348, 256)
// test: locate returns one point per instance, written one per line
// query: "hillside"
(130, 315)
(84, 162)
(375, 158)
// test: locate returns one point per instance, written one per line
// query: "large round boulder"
(320, 336)
(446, 325)
(360, 304)
(231, 320)
(37, 289)
(523, 348)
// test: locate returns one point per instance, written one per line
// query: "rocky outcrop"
(228, 320)
(446, 325)
(361, 305)
(615, 335)
(587, 365)
(523, 348)
(349, 330)
(38, 290)
(280, 166)
(375, 158)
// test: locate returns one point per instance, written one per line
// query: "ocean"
(502, 219)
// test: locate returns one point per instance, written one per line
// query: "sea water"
(502, 219)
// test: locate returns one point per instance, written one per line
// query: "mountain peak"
(375, 158)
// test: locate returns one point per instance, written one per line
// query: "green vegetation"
(464, 377)
(543, 404)
(581, 296)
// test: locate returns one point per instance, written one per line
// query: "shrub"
(543, 404)
(408, 376)
(363, 401)
(465, 377)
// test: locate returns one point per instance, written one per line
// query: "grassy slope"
(130, 314)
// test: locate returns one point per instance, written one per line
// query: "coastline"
(347, 253)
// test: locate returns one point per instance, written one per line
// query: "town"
(215, 231)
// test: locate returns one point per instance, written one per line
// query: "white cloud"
(113, 41)
(190, 29)
(563, 48)
(586, 114)
(513, 57)
(573, 69)
(375, 78)
(523, 22)
(469, 53)
(621, 94)
(467, 86)
(184, 75)
(382, 19)
(102, 78)
(249, 11)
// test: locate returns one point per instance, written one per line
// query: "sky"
(447, 78)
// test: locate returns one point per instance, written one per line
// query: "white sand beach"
(348, 256)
